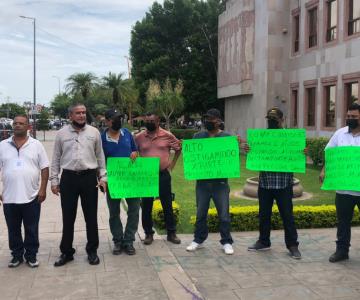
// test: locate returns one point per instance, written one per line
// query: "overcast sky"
(72, 36)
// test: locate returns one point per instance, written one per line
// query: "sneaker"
(15, 262)
(228, 249)
(32, 262)
(338, 256)
(258, 246)
(194, 246)
(294, 252)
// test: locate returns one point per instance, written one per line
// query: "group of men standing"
(78, 169)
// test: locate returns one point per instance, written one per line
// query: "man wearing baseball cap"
(217, 189)
(276, 186)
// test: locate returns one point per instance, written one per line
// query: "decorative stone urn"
(252, 184)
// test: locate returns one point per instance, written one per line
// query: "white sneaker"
(194, 246)
(228, 249)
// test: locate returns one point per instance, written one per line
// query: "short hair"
(151, 113)
(73, 106)
(354, 106)
(23, 116)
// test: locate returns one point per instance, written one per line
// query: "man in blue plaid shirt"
(276, 186)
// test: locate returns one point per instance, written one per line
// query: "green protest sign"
(210, 158)
(128, 179)
(276, 150)
(342, 168)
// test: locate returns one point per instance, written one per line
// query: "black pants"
(166, 202)
(71, 187)
(345, 205)
(29, 214)
(284, 202)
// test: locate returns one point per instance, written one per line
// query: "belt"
(80, 172)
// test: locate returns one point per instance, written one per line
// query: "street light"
(58, 78)
(34, 115)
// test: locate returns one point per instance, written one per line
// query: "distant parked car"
(5, 131)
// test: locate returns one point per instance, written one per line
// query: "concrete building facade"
(300, 55)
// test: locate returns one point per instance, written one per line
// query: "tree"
(131, 98)
(43, 121)
(115, 83)
(10, 110)
(179, 40)
(166, 101)
(60, 105)
(81, 83)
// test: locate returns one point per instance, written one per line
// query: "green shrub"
(184, 134)
(245, 218)
(128, 126)
(158, 214)
(316, 147)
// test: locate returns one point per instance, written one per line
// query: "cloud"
(72, 36)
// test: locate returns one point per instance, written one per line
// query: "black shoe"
(63, 259)
(258, 246)
(129, 249)
(15, 262)
(171, 237)
(117, 249)
(93, 259)
(294, 252)
(32, 262)
(338, 256)
(149, 238)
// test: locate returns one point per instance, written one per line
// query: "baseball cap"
(274, 113)
(111, 113)
(213, 113)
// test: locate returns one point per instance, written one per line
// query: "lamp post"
(34, 100)
(58, 78)
(128, 65)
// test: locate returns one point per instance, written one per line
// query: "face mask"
(210, 126)
(150, 126)
(273, 124)
(116, 125)
(78, 125)
(352, 123)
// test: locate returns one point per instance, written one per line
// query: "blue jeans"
(29, 215)
(219, 192)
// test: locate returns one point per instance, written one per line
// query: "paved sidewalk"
(167, 271)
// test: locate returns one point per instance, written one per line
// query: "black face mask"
(352, 123)
(116, 125)
(273, 124)
(210, 126)
(78, 125)
(150, 126)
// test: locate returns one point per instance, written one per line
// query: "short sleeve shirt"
(20, 170)
(342, 137)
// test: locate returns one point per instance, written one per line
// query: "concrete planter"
(252, 184)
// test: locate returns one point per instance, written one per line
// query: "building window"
(331, 20)
(296, 25)
(311, 103)
(295, 101)
(351, 93)
(330, 103)
(354, 17)
(312, 27)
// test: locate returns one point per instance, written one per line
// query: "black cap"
(213, 113)
(274, 113)
(111, 113)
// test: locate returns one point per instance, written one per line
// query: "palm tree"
(115, 83)
(81, 83)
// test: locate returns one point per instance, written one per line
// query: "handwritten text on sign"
(128, 179)
(276, 150)
(210, 158)
(342, 168)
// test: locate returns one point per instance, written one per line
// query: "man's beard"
(78, 125)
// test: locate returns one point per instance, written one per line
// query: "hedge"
(245, 218)
(316, 147)
(158, 214)
(183, 134)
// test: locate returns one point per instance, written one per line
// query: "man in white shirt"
(22, 160)
(345, 201)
